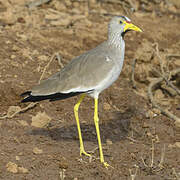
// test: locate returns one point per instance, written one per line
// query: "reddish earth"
(130, 128)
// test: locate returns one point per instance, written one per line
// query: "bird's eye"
(120, 22)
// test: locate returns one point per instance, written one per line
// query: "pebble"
(37, 150)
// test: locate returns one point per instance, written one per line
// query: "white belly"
(113, 76)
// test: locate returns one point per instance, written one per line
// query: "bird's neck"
(116, 40)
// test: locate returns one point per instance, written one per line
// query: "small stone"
(177, 62)
(177, 124)
(106, 106)
(158, 94)
(35, 52)
(63, 164)
(23, 123)
(37, 151)
(62, 22)
(77, 17)
(102, 11)
(175, 3)
(8, 42)
(68, 3)
(26, 53)
(149, 134)
(52, 16)
(17, 158)
(177, 144)
(21, 20)
(60, 6)
(43, 58)
(93, 2)
(108, 142)
(13, 56)
(22, 170)
(87, 23)
(22, 36)
(172, 9)
(149, 114)
(76, 11)
(170, 146)
(15, 48)
(156, 111)
(8, 17)
(139, 14)
(76, 4)
(145, 125)
(21, 154)
(12, 167)
(41, 120)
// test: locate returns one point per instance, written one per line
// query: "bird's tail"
(52, 97)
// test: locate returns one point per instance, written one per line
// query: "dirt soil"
(41, 142)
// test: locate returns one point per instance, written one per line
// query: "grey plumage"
(91, 72)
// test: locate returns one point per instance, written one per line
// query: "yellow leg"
(96, 121)
(76, 108)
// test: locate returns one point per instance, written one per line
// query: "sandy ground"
(41, 142)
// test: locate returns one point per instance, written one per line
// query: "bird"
(88, 74)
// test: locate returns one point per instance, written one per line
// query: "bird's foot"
(106, 165)
(82, 151)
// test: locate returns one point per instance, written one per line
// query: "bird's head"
(121, 25)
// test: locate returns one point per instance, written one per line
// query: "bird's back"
(83, 73)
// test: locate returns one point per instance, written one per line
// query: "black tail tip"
(27, 98)
(27, 93)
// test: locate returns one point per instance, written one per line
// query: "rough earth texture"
(41, 142)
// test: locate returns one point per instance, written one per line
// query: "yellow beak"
(130, 26)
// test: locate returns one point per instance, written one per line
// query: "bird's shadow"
(116, 128)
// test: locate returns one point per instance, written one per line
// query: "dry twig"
(160, 59)
(59, 60)
(175, 174)
(166, 77)
(132, 75)
(169, 56)
(169, 83)
(51, 59)
(31, 105)
(133, 140)
(162, 158)
(62, 174)
(133, 175)
(152, 167)
(153, 86)
(152, 159)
